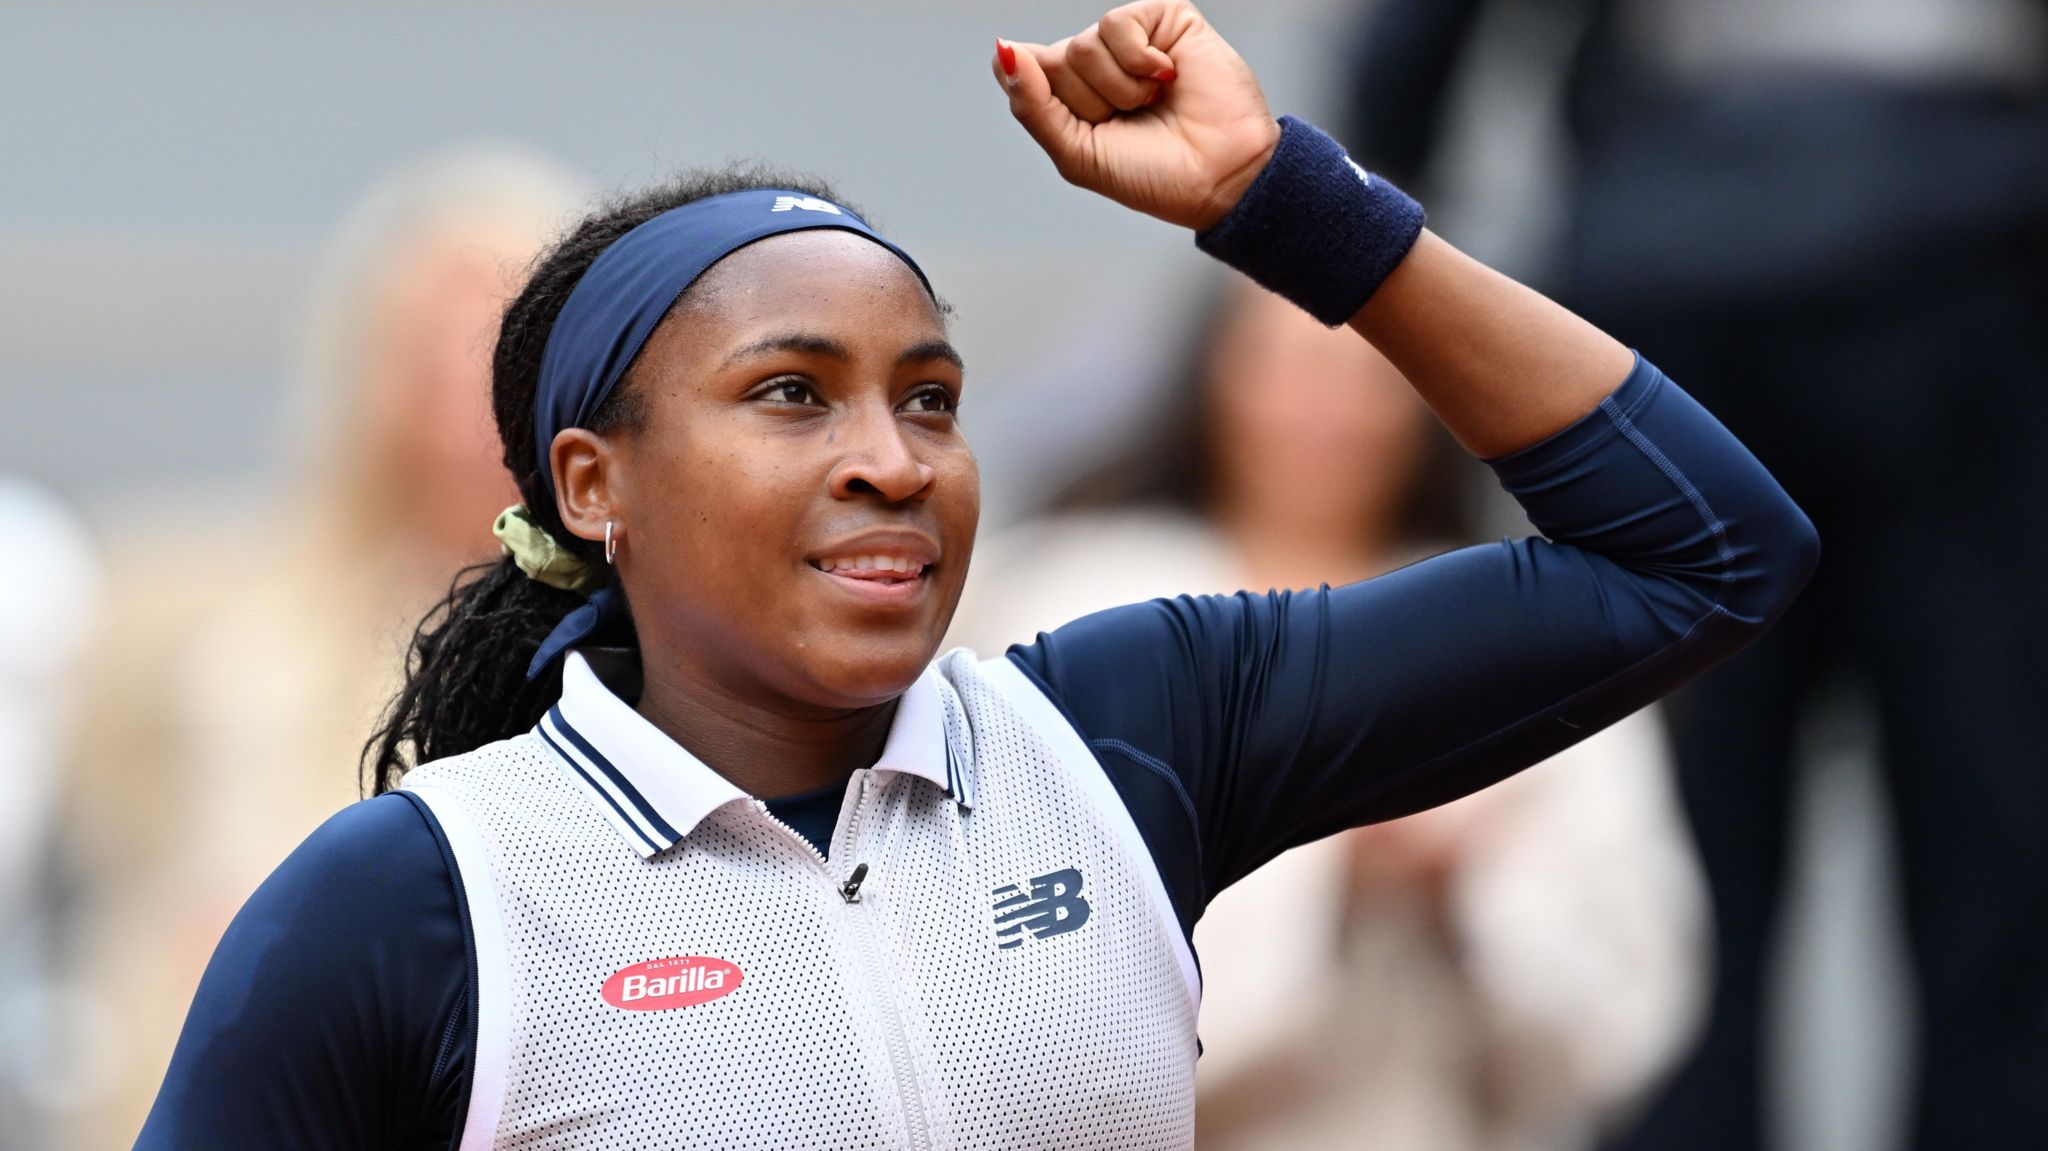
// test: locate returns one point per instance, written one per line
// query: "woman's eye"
(932, 399)
(790, 392)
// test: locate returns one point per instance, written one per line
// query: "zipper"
(770, 816)
(850, 890)
(907, 1093)
(875, 955)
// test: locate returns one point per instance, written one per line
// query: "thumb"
(1048, 121)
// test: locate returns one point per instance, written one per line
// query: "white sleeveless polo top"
(661, 963)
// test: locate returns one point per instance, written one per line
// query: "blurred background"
(250, 258)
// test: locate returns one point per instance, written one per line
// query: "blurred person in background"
(1504, 972)
(52, 587)
(1841, 206)
(245, 663)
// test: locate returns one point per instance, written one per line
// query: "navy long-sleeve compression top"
(335, 1012)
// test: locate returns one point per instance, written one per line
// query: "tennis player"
(703, 849)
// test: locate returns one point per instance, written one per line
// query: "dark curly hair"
(465, 670)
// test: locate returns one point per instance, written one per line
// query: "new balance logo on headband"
(1364, 177)
(807, 203)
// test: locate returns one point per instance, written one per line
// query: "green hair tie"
(540, 556)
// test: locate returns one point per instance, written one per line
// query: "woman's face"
(798, 503)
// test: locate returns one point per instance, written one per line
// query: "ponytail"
(465, 671)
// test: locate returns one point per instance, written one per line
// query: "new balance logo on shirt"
(806, 203)
(1051, 906)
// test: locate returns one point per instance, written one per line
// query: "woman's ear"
(587, 481)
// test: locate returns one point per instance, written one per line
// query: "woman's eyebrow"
(931, 350)
(825, 346)
(789, 342)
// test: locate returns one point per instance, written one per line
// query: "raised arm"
(1272, 720)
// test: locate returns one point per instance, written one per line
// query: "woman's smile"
(889, 568)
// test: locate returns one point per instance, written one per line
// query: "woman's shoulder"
(369, 829)
(376, 872)
(376, 867)
(371, 883)
(358, 938)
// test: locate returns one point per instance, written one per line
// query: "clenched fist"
(1150, 107)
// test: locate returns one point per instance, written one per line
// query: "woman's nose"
(879, 460)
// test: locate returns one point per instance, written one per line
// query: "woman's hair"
(465, 670)
(1173, 466)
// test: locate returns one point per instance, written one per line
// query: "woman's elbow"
(1778, 559)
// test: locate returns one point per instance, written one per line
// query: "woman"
(958, 915)
(1507, 971)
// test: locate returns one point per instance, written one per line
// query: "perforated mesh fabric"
(900, 1020)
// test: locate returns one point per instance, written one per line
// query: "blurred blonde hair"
(445, 194)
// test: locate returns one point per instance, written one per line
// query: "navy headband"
(632, 285)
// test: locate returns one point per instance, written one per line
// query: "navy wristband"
(1315, 227)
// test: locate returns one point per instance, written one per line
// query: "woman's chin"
(866, 670)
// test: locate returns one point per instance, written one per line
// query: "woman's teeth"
(856, 564)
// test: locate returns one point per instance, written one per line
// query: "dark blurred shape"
(1829, 220)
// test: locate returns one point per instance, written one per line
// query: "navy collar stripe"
(659, 830)
(956, 778)
(648, 844)
(664, 834)
(654, 792)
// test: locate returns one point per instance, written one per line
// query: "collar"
(655, 792)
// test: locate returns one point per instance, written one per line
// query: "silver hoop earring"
(611, 543)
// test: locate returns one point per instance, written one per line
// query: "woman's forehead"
(819, 265)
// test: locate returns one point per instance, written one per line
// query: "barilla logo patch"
(680, 981)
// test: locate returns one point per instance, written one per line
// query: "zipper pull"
(850, 890)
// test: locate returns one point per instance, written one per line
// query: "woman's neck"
(766, 748)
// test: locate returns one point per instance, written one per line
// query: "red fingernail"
(1007, 57)
(1166, 75)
